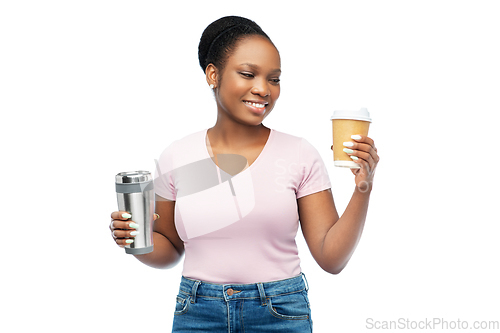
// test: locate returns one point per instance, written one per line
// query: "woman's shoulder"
(292, 142)
(290, 139)
(186, 143)
(286, 137)
(193, 137)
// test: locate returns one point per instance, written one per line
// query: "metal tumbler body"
(135, 194)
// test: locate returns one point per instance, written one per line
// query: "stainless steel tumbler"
(135, 194)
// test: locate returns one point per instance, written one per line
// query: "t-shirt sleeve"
(163, 181)
(313, 171)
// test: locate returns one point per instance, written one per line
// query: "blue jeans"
(277, 306)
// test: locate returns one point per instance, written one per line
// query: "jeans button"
(230, 292)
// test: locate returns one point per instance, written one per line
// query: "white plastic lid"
(361, 114)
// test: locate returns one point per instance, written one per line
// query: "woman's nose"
(261, 88)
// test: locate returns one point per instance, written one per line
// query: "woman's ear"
(211, 75)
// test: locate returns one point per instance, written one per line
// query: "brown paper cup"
(345, 124)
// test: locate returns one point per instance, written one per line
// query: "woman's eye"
(248, 75)
(275, 81)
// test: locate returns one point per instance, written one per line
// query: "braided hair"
(219, 39)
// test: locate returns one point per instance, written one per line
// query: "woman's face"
(249, 84)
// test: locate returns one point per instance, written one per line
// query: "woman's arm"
(332, 240)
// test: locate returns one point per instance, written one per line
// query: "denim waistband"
(197, 288)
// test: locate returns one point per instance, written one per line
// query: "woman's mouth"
(256, 107)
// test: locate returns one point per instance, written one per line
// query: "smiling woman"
(231, 197)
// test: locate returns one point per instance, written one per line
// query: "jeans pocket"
(181, 304)
(291, 307)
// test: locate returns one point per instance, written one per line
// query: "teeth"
(257, 105)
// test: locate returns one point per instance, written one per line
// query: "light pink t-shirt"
(240, 228)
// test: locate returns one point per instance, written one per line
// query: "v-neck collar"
(208, 149)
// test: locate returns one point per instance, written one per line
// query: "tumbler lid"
(133, 177)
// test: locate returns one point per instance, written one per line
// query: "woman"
(231, 198)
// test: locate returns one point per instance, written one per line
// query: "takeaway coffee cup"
(344, 124)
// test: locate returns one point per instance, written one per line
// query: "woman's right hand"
(123, 229)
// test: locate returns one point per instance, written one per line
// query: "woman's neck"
(233, 136)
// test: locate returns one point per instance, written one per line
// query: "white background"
(92, 88)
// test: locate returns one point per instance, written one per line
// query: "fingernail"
(349, 151)
(348, 144)
(134, 233)
(354, 157)
(134, 225)
(356, 137)
(126, 215)
(129, 241)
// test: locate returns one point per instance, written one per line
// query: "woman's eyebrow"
(256, 67)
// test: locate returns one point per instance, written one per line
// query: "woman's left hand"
(365, 154)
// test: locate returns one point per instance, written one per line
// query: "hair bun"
(218, 28)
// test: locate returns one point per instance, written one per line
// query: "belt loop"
(262, 293)
(305, 280)
(194, 290)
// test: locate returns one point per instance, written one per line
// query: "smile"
(256, 105)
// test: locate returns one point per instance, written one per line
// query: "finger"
(121, 215)
(373, 153)
(123, 225)
(359, 156)
(364, 148)
(367, 146)
(124, 241)
(157, 216)
(364, 165)
(358, 146)
(117, 234)
(363, 139)
(370, 161)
